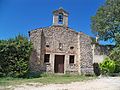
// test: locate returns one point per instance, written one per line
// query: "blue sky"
(21, 16)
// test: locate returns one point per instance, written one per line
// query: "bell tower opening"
(60, 17)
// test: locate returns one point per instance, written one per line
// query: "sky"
(21, 16)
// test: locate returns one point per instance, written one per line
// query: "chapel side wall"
(86, 57)
(36, 58)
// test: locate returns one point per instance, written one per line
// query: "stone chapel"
(60, 49)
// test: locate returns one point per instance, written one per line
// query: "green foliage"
(93, 40)
(107, 66)
(14, 56)
(106, 22)
(115, 55)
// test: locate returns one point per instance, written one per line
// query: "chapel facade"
(60, 49)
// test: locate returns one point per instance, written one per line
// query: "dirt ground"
(102, 83)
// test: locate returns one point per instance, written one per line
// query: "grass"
(44, 79)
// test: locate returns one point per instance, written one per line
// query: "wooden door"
(59, 64)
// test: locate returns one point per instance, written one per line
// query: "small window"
(60, 46)
(46, 58)
(72, 47)
(71, 59)
(47, 46)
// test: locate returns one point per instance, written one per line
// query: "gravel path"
(103, 83)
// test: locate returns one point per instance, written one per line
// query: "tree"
(14, 56)
(106, 22)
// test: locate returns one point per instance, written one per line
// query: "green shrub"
(107, 67)
(115, 55)
(14, 56)
(117, 66)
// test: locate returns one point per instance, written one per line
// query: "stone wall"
(53, 36)
(99, 58)
(35, 59)
(86, 57)
(101, 52)
(103, 49)
(58, 34)
(68, 38)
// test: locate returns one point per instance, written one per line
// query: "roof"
(53, 26)
(58, 27)
(60, 10)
